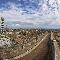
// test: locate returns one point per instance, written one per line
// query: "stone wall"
(39, 52)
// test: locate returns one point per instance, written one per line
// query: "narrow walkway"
(56, 46)
(59, 50)
(59, 53)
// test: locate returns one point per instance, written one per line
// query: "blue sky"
(36, 13)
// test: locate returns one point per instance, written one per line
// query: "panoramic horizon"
(29, 29)
(31, 13)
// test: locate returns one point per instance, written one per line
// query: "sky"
(31, 13)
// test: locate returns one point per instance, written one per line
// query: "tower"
(2, 25)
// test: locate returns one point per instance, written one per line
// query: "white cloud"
(16, 14)
(44, 7)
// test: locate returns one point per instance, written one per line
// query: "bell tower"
(2, 25)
